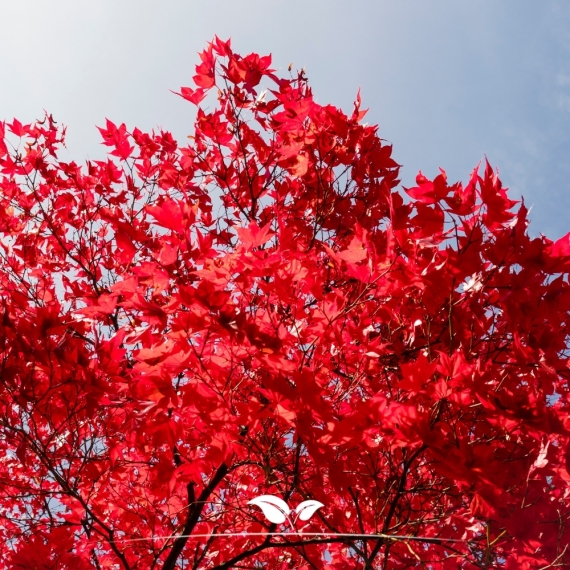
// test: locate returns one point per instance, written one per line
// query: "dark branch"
(194, 512)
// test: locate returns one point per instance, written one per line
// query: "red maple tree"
(261, 312)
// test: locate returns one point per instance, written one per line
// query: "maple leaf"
(193, 95)
(168, 215)
(253, 235)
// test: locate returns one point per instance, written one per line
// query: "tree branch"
(195, 510)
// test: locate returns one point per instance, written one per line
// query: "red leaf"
(254, 236)
(193, 95)
(168, 215)
(428, 192)
(416, 375)
(17, 128)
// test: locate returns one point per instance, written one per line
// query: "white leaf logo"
(307, 509)
(274, 508)
(277, 511)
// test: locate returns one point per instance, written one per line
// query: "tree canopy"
(260, 314)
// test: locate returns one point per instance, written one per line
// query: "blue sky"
(448, 81)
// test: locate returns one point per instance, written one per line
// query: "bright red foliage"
(260, 312)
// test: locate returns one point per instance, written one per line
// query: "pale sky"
(449, 81)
